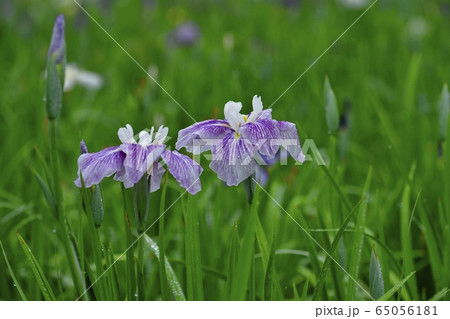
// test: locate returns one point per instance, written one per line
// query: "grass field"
(372, 223)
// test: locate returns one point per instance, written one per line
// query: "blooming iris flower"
(241, 142)
(133, 159)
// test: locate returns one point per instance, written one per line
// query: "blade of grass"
(233, 258)
(16, 283)
(440, 294)
(172, 279)
(162, 266)
(406, 240)
(437, 269)
(131, 271)
(305, 290)
(240, 281)
(376, 283)
(394, 289)
(37, 271)
(358, 240)
(326, 264)
(270, 272)
(194, 275)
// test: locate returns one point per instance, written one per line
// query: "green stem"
(63, 223)
(131, 276)
(162, 256)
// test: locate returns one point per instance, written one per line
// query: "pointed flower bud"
(58, 44)
(56, 61)
(331, 109)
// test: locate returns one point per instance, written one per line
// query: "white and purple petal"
(257, 108)
(185, 170)
(96, 166)
(290, 141)
(233, 159)
(156, 174)
(138, 161)
(199, 137)
(260, 134)
(232, 114)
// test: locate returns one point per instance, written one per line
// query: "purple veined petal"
(138, 161)
(260, 134)
(194, 137)
(155, 176)
(264, 115)
(57, 44)
(290, 141)
(185, 170)
(233, 159)
(96, 166)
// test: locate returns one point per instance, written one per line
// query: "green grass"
(213, 246)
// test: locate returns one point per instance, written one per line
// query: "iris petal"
(139, 160)
(288, 132)
(155, 177)
(185, 170)
(261, 134)
(96, 166)
(232, 159)
(200, 133)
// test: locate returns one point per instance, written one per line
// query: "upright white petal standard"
(161, 135)
(145, 138)
(257, 108)
(126, 134)
(233, 115)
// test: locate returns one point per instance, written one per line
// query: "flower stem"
(63, 223)
(162, 256)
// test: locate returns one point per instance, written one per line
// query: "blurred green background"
(387, 72)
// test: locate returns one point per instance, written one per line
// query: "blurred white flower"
(228, 41)
(75, 75)
(417, 27)
(354, 4)
(153, 71)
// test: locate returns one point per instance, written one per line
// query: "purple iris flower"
(132, 160)
(58, 44)
(186, 34)
(239, 143)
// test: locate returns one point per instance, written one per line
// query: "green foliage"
(386, 107)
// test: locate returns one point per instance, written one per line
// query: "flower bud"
(56, 61)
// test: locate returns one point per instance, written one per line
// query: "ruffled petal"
(96, 166)
(233, 159)
(138, 161)
(260, 134)
(200, 137)
(185, 170)
(264, 115)
(290, 141)
(155, 177)
(126, 134)
(257, 108)
(233, 115)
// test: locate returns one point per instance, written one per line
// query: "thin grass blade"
(394, 289)
(358, 240)
(172, 279)
(37, 271)
(16, 283)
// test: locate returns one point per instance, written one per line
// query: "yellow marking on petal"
(237, 135)
(245, 118)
